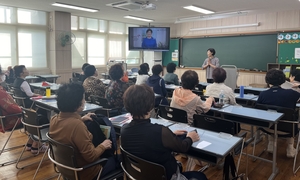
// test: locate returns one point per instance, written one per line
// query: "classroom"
(227, 54)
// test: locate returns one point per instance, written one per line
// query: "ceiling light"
(74, 7)
(198, 9)
(138, 18)
(211, 16)
(225, 27)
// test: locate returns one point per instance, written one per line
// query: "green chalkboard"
(167, 55)
(287, 42)
(249, 52)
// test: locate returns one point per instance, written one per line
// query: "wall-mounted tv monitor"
(149, 38)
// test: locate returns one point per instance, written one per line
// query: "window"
(102, 26)
(96, 50)
(116, 28)
(82, 23)
(78, 50)
(32, 48)
(92, 24)
(115, 49)
(5, 14)
(74, 22)
(132, 57)
(31, 17)
(8, 55)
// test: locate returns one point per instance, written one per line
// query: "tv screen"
(149, 38)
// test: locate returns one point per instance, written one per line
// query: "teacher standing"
(210, 63)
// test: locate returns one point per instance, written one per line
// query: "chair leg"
(38, 168)
(3, 148)
(19, 159)
(295, 158)
(239, 160)
(98, 177)
(59, 176)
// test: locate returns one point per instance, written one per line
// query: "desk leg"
(274, 168)
(258, 136)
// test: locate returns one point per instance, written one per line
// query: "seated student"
(116, 87)
(170, 77)
(294, 81)
(2, 75)
(21, 72)
(143, 74)
(279, 97)
(158, 85)
(10, 77)
(153, 142)
(68, 127)
(7, 107)
(92, 85)
(184, 98)
(82, 76)
(214, 90)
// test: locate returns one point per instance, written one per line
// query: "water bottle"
(241, 91)
(221, 97)
(48, 92)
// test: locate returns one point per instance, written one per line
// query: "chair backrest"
(99, 101)
(232, 75)
(65, 155)
(173, 114)
(197, 92)
(214, 124)
(19, 97)
(31, 119)
(138, 168)
(289, 115)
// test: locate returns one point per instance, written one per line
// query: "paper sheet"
(203, 144)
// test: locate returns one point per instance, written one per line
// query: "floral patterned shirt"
(114, 93)
(93, 86)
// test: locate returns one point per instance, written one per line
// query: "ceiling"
(167, 10)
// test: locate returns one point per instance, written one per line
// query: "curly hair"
(219, 75)
(116, 71)
(275, 77)
(189, 79)
(212, 50)
(157, 69)
(139, 100)
(69, 97)
(89, 70)
(171, 67)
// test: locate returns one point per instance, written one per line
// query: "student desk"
(119, 121)
(256, 117)
(49, 77)
(53, 86)
(211, 148)
(31, 79)
(51, 105)
(253, 90)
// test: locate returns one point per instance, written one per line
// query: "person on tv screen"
(149, 41)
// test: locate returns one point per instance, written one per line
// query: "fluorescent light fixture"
(74, 7)
(138, 18)
(225, 27)
(211, 16)
(198, 9)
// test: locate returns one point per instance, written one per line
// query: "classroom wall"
(271, 21)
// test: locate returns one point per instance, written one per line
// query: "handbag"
(178, 175)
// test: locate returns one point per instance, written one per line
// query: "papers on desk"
(121, 119)
(203, 144)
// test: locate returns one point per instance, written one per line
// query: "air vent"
(129, 5)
